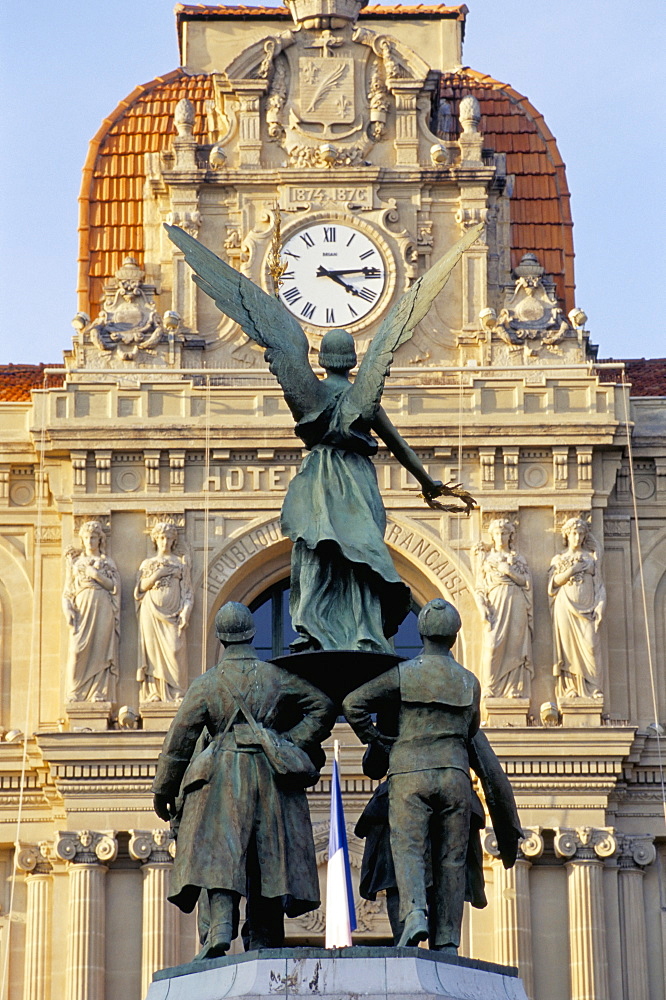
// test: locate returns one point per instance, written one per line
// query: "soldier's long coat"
(228, 792)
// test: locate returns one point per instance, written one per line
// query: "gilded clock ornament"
(336, 275)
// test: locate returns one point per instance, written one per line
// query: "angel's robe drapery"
(345, 591)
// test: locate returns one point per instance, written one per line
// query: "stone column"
(156, 849)
(513, 921)
(585, 850)
(33, 860)
(636, 853)
(87, 853)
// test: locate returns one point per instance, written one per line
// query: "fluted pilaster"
(86, 851)
(33, 860)
(155, 848)
(586, 849)
(635, 853)
(513, 922)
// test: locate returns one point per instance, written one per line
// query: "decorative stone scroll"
(128, 320)
(152, 846)
(87, 846)
(530, 317)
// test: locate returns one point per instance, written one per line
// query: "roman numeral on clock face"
(329, 234)
(367, 294)
(308, 310)
(292, 295)
(368, 253)
(352, 310)
(330, 316)
(307, 239)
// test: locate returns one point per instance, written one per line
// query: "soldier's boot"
(223, 918)
(415, 930)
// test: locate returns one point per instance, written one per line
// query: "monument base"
(580, 712)
(94, 715)
(369, 973)
(157, 715)
(507, 711)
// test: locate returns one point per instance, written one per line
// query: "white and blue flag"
(340, 910)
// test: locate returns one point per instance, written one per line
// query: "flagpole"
(340, 910)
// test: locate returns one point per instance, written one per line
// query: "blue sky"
(592, 67)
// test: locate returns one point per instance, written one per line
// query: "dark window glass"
(274, 631)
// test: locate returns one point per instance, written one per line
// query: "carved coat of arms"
(326, 89)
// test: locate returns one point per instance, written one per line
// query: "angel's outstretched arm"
(398, 447)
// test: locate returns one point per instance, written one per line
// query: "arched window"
(274, 631)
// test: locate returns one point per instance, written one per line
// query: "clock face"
(335, 275)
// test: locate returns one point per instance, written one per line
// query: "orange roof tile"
(111, 199)
(206, 12)
(540, 211)
(646, 376)
(18, 381)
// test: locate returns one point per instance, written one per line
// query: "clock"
(335, 276)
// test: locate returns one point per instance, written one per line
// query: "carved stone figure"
(164, 599)
(91, 603)
(530, 316)
(435, 704)
(345, 591)
(578, 600)
(128, 321)
(504, 593)
(239, 831)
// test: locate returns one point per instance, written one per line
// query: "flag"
(340, 911)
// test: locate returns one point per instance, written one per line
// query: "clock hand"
(369, 272)
(323, 273)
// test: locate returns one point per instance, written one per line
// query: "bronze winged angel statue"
(345, 591)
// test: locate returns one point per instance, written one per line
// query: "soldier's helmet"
(338, 350)
(234, 623)
(439, 618)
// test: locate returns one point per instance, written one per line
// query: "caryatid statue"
(164, 599)
(504, 594)
(345, 591)
(91, 603)
(577, 601)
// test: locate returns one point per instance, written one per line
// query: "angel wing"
(263, 318)
(366, 393)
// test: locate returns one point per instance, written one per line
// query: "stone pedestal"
(371, 973)
(93, 715)
(157, 715)
(580, 712)
(507, 711)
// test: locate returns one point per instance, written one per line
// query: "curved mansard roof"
(111, 208)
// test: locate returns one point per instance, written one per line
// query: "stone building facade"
(149, 472)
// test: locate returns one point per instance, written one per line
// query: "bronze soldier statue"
(437, 703)
(243, 829)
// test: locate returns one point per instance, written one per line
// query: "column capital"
(531, 846)
(87, 846)
(152, 846)
(585, 843)
(636, 850)
(33, 859)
